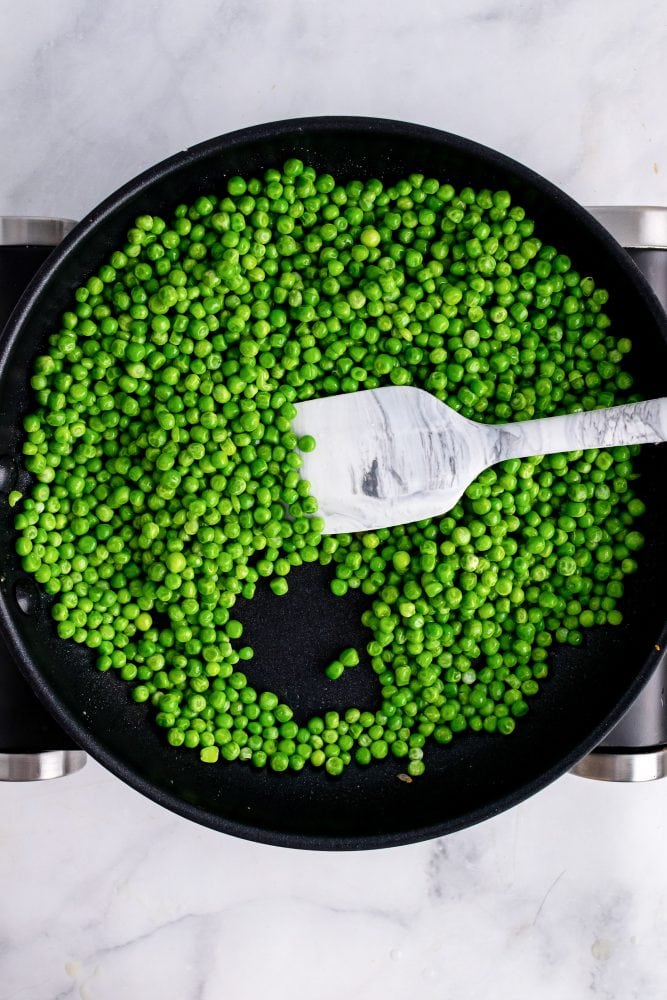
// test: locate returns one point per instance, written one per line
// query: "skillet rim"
(13, 328)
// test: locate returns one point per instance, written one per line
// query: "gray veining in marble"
(397, 454)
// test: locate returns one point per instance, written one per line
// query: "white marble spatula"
(397, 454)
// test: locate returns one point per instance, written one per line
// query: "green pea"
(168, 476)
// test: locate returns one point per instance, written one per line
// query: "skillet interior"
(476, 776)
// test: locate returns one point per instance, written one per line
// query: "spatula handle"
(632, 423)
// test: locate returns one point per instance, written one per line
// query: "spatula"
(397, 454)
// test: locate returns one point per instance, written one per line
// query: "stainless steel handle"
(617, 766)
(635, 750)
(636, 227)
(20, 231)
(39, 766)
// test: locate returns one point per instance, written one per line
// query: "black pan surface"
(475, 777)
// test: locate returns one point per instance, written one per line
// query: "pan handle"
(636, 749)
(39, 766)
(33, 231)
(42, 749)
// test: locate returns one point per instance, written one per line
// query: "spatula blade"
(385, 456)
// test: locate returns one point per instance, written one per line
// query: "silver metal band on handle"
(635, 227)
(607, 765)
(40, 766)
(21, 231)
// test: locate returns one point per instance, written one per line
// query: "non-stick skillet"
(477, 776)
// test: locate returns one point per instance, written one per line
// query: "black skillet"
(478, 775)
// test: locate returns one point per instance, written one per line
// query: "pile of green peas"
(166, 472)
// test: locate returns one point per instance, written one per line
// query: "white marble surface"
(107, 896)
(102, 894)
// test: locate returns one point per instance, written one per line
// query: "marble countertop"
(103, 894)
